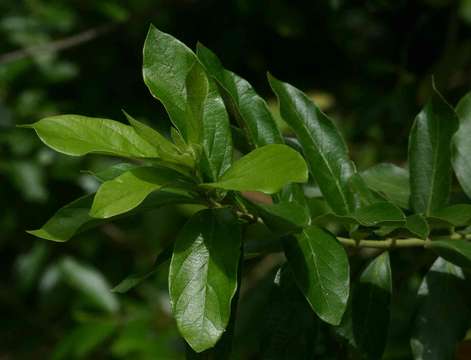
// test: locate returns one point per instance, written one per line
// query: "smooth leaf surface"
(90, 282)
(321, 269)
(283, 217)
(418, 225)
(324, 147)
(390, 181)
(430, 155)
(456, 215)
(127, 191)
(78, 135)
(203, 276)
(250, 109)
(266, 169)
(456, 251)
(462, 145)
(443, 314)
(371, 307)
(380, 213)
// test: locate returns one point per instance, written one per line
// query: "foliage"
(382, 208)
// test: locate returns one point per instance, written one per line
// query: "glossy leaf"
(166, 149)
(371, 307)
(266, 169)
(283, 217)
(127, 191)
(430, 155)
(90, 282)
(78, 135)
(112, 171)
(324, 147)
(250, 109)
(462, 145)
(390, 181)
(456, 251)
(443, 314)
(320, 267)
(203, 276)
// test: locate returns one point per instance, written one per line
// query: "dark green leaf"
(203, 276)
(129, 190)
(456, 215)
(455, 251)
(371, 307)
(266, 169)
(462, 145)
(320, 267)
(443, 314)
(430, 155)
(324, 147)
(380, 213)
(113, 171)
(283, 217)
(249, 108)
(78, 135)
(391, 181)
(417, 225)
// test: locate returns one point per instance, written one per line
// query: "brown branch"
(57, 45)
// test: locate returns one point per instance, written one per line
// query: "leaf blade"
(461, 157)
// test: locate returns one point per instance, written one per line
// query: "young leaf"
(166, 149)
(324, 147)
(441, 303)
(456, 251)
(78, 135)
(462, 146)
(203, 276)
(430, 155)
(391, 181)
(250, 109)
(90, 282)
(266, 169)
(371, 307)
(320, 267)
(129, 190)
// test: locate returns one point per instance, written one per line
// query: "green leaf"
(166, 149)
(209, 122)
(90, 282)
(112, 171)
(365, 195)
(250, 109)
(443, 315)
(74, 217)
(417, 225)
(380, 213)
(371, 307)
(324, 147)
(390, 181)
(135, 279)
(283, 217)
(430, 155)
(166, 65)
(266, 169)
(456, 251)
(203, 276)
(455, 215)
(78, 135)
(462, 146)
(127, 191)
(320, 267)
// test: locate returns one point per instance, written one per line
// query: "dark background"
(367, 64)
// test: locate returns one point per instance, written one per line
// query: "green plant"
(217, 116)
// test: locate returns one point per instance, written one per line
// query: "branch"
(384, 244)
(58, 45)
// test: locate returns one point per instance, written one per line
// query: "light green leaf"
(430, 155)
(78, 135)
(456, 251)
(112, 171)
(462, 146)
(283, 217)
(324, 147)
(89, 282)
(166, 149)
(320, 267)
(250, 110)
(203, 276)
(371, 307)
(443, 315)
(127, 191)
(266, 169)
(390, 181)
